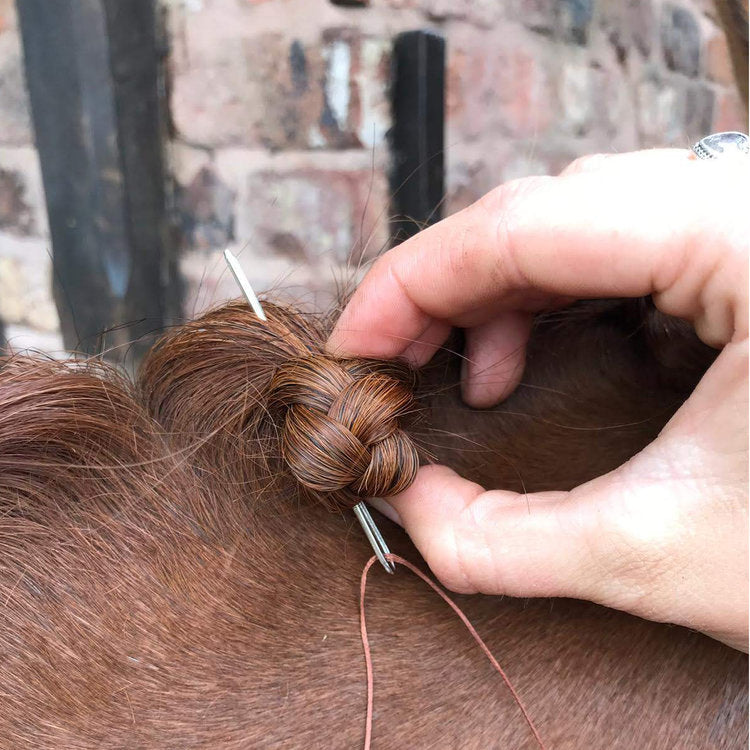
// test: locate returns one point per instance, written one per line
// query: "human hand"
(665, 535)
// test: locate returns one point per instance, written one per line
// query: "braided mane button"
(342, 437)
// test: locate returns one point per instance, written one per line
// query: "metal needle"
(361, 511)
(367, 522)
(244, 284)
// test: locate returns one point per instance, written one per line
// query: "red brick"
(15, 119)
(629, 25)
(730, 113)
(278, 92)
(680, 39)
(537, 15)
(479, 12)
(708, 7)
(526, 107)
(673, 112)
(7, 15)
(498, 85)
(576, 94)
(309, 214)
(474, 174)
(613, 114)
(15, 214)
(467, 183)
(717, 62)
(206, 209)
(567, 20)
(573, 20)
(659, 110)
(699, 111)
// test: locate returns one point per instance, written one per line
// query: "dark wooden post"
(417, 178)
(93, 69)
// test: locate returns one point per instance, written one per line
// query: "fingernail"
(411, 355)
(386, 509)
(333, 345)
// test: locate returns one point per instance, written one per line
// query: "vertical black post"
(417, 178)
(93, 69)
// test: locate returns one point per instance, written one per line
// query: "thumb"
(613, 540)
(499, 542)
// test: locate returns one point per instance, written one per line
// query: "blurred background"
(138, 139)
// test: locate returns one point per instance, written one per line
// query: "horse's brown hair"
(335, 425)
(172, 576)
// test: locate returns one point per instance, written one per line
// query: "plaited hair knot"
(341, 436)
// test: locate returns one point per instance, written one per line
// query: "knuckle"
(586, 163)
(508, 197)
(457, 549)
(509, 207)
(458, 252)
(447, 563)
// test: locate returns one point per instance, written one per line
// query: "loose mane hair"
(179, 569)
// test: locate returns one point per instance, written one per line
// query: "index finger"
(601, 233)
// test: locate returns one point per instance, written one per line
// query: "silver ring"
(719, 145)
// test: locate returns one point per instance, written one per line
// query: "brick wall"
(280, 112)
(27, 311)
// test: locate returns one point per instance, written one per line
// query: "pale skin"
(665, 536)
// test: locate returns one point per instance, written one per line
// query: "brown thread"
(465, 620)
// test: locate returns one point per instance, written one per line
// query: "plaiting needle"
(361, 511)
(243, 283)
(372, 532)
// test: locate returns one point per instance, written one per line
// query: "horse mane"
(179, 569)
